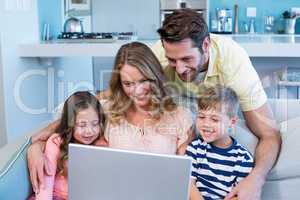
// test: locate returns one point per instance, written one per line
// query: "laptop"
(110, 174)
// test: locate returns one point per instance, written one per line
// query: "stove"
(108, 37)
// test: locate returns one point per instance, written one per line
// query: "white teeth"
(208, 130)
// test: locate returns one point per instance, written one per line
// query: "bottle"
(252, 26)
(236, 23)
(245, 27)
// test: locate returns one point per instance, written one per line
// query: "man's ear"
(233, 121)
(206, 45)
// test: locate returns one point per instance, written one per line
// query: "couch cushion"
(286, 189)
(288, 164)
(14, 177)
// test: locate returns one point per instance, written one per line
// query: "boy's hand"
(36, 165)
(194, 192)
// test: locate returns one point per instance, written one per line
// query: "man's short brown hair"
(210, 97)
(183, 24)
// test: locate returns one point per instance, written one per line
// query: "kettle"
(73, 25)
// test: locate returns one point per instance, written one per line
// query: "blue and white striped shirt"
(218, 170)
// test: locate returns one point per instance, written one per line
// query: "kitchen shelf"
(58, 49)
(282, 88)
(256, 45)
(289, 83)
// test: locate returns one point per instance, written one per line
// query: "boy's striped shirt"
(218, 170)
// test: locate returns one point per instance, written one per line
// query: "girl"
(82, 122)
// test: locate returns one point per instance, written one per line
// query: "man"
(190, 56)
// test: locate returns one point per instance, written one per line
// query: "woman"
(141, 114)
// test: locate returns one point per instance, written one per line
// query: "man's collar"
(212, 62)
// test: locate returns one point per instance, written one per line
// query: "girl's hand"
(36, 165)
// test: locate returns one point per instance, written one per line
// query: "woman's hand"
(191, 136)
(101, 142)
(37, 164)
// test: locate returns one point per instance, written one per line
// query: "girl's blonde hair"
(138, 55)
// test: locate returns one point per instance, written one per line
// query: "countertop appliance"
(224, 21)
(73, 25)
(167, 7)
(74, 37)
(104, 37)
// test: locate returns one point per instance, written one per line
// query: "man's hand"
(248, 189)
(45, 133)
(36, 165)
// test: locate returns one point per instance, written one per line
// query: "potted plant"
(290, 21)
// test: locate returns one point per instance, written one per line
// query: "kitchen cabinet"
(142, 17)
(79, 4)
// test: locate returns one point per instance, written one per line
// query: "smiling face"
(87, 126)
(213, 126)
(186, 59)
(136, 86)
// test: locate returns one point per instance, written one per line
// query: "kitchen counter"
(257, 45)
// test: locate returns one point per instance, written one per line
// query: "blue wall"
(21, 26)
(73, 74)
(70, 74)
(263, 7)
(50, 12)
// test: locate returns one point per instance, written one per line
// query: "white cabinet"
(175, 4)
(138, 16)
(78, 4)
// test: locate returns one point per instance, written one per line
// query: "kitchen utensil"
(224, 18)
(73, 25)
(268, 24)
(46, 32)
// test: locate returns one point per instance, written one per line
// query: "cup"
(289, 26)
(269, 24)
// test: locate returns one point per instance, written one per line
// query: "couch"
(283, 181)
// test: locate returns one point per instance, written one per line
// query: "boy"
(218, 161)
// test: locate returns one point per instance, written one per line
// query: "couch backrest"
(284, 109)
(14, 176)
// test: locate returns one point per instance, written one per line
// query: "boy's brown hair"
(211, 97)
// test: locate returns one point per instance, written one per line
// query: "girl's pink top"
(56, 185)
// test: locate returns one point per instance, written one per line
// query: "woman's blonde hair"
(138, 55)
